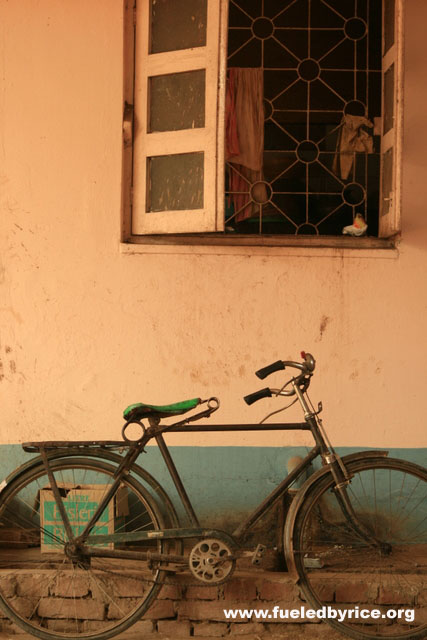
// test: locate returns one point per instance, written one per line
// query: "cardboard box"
(80, 503)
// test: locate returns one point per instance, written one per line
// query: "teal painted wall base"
(223, 483)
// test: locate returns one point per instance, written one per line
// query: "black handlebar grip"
(271, 368)
(253, 397)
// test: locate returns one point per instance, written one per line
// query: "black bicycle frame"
(156, 431)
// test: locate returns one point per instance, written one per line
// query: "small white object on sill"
(358, 228)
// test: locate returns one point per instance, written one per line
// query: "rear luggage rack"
(32, 447)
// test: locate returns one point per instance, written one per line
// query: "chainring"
(211, 561)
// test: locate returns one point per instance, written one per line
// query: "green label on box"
(54, 534)
(76, 511)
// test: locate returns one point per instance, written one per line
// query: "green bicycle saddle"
(140, 410)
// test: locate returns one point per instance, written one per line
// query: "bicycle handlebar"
(257, 395)
(306, 367)
(271, 368)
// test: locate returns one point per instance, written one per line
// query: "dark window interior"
(321, 62)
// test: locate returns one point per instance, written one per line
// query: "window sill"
(220, 244)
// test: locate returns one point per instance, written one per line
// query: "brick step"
(185, 608)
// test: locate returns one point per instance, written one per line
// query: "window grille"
(321, 62)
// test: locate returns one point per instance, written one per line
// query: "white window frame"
(205, 226)
(391, 142)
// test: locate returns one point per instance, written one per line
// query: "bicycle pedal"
(258, 553)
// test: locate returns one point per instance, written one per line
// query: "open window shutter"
(179, 92)
(390, 189)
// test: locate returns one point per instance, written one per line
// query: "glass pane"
(175, 182)
(177, 24)
(389, 16)
(177, 101)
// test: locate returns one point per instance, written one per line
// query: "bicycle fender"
(157, 490)
(302, 493)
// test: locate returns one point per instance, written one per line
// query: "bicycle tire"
(338, 569)
(141, 475)
(51, 596)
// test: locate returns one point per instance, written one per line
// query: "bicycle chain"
(185, 584)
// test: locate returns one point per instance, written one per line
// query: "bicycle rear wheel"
(51, 595)
(343, 572)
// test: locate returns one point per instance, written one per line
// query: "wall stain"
(325, 320)
(8, 365)
(14, 313)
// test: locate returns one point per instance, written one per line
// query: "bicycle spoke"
(77, 596)
(388, 498)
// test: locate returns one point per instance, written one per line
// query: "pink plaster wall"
(86, 329)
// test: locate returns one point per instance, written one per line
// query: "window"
(322, 110)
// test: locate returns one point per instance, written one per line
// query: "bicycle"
(101, 563)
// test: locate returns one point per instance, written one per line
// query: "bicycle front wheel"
(362, 589)
(51, 595)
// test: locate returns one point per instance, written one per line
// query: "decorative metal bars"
(321, 62)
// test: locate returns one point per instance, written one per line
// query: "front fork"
(342, 483)
(342, 477)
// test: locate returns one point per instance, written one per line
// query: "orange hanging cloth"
(244, 136)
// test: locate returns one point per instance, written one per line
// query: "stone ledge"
(187, 609)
